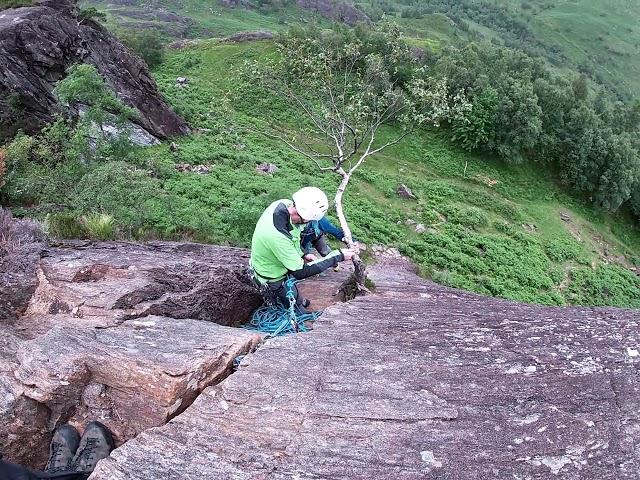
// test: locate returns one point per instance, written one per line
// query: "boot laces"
(87, 452)
(57, 452)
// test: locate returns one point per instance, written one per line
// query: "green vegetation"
(15, 3)
(492, 227)
(490, 187)
(148, 44)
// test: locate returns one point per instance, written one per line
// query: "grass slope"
(598, 37)
(491, 228)
(208, 18)
(602, 34)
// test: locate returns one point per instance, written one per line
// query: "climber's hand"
(310, 257)
(360, 246)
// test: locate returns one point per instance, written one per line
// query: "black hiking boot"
(96, 444)
(62, 449)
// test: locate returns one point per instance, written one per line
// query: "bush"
(147, 43)
(99, 226)
(470, 217)
(606, 285)
(561, 249)
(129, 194)
(16, 234)
(15, 3)
(64, 225)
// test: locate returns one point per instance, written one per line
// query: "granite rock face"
(416, 381)
(124, 333)
(21, 242)
(38, 44)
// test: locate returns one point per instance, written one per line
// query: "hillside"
(492, 228)
(598, 38)
(478, 223)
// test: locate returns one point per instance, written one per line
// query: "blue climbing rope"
(276, 319)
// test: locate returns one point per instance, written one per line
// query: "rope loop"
(276, 319)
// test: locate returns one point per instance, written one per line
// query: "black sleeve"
(11, 471)
(314, 268)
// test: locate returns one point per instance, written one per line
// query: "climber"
(276, 253)
(314, 236)
(70, 456)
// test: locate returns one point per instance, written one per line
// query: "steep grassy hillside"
(600, 38)
(499, 229)
(196, 18)
(491, 228)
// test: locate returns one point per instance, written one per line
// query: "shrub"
(147, 43)
(64, 225)
(99, 226)
(14, 3)
(129, 194)
(469, 217)
(605, 285)
(17, 234)
(561, 249)
(92, 13)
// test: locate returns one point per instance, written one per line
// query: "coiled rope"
(275, 319)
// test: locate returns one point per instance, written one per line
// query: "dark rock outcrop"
(21, 242)
(38, 44)
(417, 381)
(336, 10)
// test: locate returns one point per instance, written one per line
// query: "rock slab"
(417, 381)
(124, 333)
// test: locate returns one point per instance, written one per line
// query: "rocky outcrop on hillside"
(38, 44)
(417, 381)
(336, 10)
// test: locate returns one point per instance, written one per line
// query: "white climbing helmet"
(311, 203)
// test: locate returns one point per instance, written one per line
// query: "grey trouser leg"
(321, 245)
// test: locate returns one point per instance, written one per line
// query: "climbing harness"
(275, 319)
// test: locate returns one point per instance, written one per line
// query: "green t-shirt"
(275, 246)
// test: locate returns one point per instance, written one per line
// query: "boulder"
(405, 192)
(37, 46)
(266, 168)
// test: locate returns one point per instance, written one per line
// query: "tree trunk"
(360, 273)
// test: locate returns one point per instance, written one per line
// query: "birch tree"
(345, 93)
